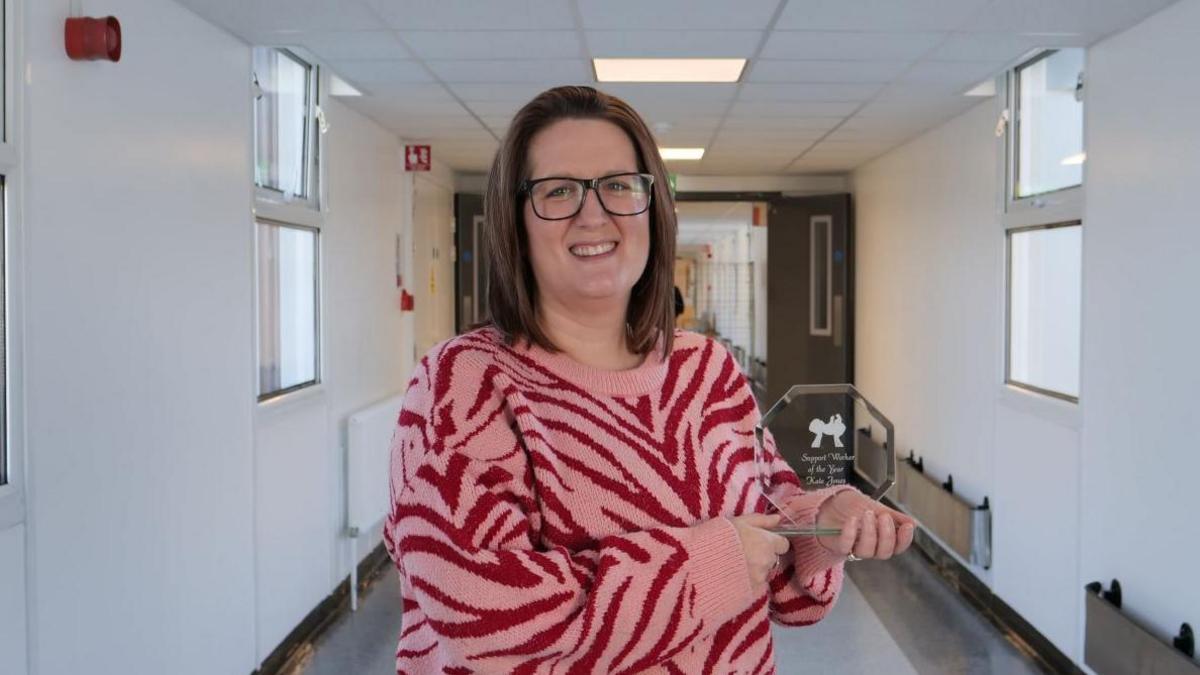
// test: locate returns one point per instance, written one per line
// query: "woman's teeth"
(589, 250)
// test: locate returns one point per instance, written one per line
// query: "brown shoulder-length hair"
(512, 288)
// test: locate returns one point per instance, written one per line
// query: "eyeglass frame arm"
(889, 448)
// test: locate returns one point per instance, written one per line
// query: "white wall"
(1141, 275)
(12, 600)
(928, 277)
(139, 370)
(1079, 493)
(173, 524)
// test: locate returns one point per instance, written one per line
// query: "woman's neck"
(595, 338)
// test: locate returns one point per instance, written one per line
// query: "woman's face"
(593, 255)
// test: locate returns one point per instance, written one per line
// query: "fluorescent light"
(340, 87)
(1074, 160)
(985, 88)
(669, 154)
(668, 70)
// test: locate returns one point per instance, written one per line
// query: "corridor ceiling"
(829, 85)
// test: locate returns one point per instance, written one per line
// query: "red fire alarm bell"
(93, 39)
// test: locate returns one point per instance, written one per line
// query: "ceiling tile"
(495, 108)
(1005, 48)
(418, 108)
(824, 71)
(311, 15)
(372, 71)
(793, 108)
(883, 15)
(662, 14)
(892, 133)
(338, 45)
(1093, 19)
(472, 14)
(564, 71)
(834, 148)
(493, 44)
(674, 43)
(512, 92)
(850, 45)
(917, 109)
(957, 76)
(430, 92)
(736, 122)
(799, 91)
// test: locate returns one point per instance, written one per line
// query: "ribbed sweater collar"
(643, 379)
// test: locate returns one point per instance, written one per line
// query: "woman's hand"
(762, 548)
(869, 529)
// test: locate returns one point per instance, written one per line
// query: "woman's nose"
(592, 212)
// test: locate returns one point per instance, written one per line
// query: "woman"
(574, 485)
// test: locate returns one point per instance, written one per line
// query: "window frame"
(1055, 205)
(1008, 259)
(314, 179)
(12, 492)
(1042, 211)
(271, 206)
(318, 341)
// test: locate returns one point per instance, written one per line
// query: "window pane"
(1049, 145)
(281, 116)
(819, 252)
(1044, 308)
(287, 307)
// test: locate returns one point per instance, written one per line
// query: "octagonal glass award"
(810, 425)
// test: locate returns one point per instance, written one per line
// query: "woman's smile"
(593, 251)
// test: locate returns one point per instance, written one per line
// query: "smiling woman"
(573, 485)
(579, 133)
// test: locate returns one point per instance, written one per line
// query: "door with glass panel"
(470, 275)
(810, 330)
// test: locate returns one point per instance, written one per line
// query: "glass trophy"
(815, 431)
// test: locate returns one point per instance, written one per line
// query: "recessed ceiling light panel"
(668, 70)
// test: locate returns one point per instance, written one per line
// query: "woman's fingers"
(781, 544)
(865, 546)
(886, 533)
(845, 541)
(904, 537)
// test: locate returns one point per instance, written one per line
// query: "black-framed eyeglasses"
(560, 197)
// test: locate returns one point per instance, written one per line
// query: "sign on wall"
(417, 157)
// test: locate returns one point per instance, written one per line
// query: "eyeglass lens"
(621, 195)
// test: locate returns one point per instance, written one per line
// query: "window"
(287, 128)
(1044, 290)
(285, 114)
(1043, 223)
(288, 290)
(1048, 148)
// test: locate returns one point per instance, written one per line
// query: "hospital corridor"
(373, 337)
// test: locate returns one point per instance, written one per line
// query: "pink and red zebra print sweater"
(548, 516)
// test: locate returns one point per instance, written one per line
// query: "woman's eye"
(616, 186)
(558, 192)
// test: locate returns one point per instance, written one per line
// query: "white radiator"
(368, 439)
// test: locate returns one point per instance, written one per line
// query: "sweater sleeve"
(806, 587)
(464, 531)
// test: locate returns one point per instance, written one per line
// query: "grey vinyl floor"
(896, 617)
